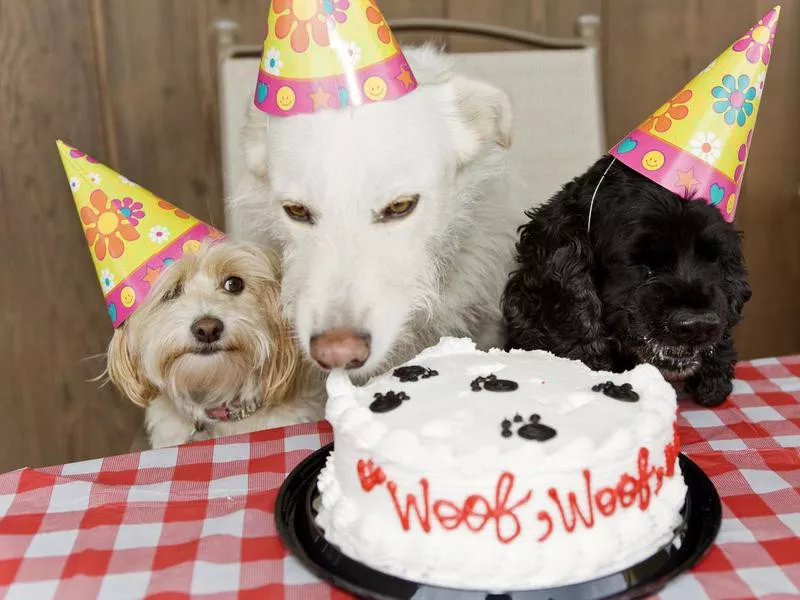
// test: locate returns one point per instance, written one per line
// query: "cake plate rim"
(304, 540)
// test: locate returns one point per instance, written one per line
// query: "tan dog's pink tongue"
(219, 413)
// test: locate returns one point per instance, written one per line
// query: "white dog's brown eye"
(234, 285)
(402, 207)
(298, 212)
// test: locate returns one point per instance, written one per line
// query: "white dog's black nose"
(694, 326)
(207, 329)
(341, 347)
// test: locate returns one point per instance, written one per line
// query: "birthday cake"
(501, 471)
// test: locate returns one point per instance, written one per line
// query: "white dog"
(393, 219)
(209, 352)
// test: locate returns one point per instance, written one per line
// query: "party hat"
(132, 233)
(697, 143)
(323, 54)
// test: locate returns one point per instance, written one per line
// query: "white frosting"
(448, 438)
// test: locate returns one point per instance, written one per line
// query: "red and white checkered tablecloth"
(197, 520)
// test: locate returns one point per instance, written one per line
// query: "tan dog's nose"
(207, 330)
(341, 347)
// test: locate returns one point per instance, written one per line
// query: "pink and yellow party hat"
(696, 144)
(324, 54)
(132, 233)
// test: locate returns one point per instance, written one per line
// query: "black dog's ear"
(740, 293)
(550, 301)
(735, 277)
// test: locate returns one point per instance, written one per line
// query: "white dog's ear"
(124, 371)
(480, 115)
(254, 138)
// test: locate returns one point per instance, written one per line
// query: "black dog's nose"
(207, 329)
(694, 326)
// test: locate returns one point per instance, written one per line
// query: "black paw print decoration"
(491, 383)
(387, 402)
(413, 373)
(533, 430)
(623, 393)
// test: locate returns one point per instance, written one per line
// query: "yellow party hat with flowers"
(132, 233)
(696, 144)
(324, 54)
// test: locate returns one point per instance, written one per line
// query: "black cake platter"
(295, 518)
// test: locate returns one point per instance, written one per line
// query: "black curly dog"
(658, 279)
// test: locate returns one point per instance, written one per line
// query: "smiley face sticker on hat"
(653, 160)
(285, 98)
(127, 296)
(375, 88)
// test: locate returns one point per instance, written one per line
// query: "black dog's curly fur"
(623, 293)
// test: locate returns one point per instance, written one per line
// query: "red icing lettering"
(369, 475)
(659, 479)
(671, 451)
(626, 490)
(505, 513)
(474, 514)
(642, 462)
(476, 511)
(411, 503)
(606, 501)
(570, 523)
(545, 517)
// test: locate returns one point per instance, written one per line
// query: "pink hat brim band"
(385, 80)
(675, 169)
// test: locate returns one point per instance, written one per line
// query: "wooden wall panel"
(769, 210)
(641, 71)
(51, 310)
(559, 18)
(510, 13)
(161, 100)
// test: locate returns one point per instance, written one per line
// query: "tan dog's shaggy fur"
(255, 366)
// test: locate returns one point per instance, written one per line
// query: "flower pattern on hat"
(272, 62)
(106, 229)
(672, 109)
(737, 99)
(106, 280)
(706, 145)
(375, 17)
(742, 156)
(158, 234)
(129, 209)
(757, 42)
(301, 20)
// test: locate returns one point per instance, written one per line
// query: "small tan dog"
(209, 353)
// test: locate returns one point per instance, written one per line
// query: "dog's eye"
(298, 212)
(402, 207)
(174, 293)
(233, 285)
